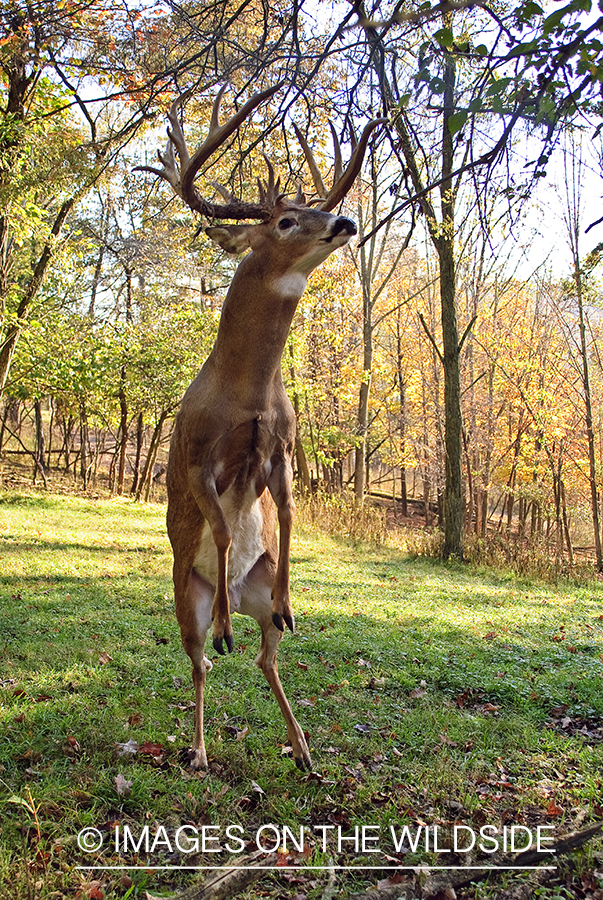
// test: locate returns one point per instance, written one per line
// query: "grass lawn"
(431, 694)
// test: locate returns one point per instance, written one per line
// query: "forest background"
(450, 361)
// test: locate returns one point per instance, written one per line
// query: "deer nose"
(343, 224)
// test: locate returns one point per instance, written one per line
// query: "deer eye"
(286, 223)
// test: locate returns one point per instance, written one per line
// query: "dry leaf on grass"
(127, 749)
(122, 786)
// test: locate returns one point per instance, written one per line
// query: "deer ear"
(232, 238)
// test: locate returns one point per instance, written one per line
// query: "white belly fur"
(245, 522)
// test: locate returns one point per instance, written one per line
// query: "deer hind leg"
(193, 609)
(206, 495)
(256, 601)
(279, 485)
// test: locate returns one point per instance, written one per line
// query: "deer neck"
(255, 322)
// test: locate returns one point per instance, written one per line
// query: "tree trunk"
(123, 432)
(303, 472)
(442, 235)
(147, 472)
(588, 411)
(84, 445)
(402, 420)
(139, 439)
(566, 528)
(361, 428)
(123, 402)
(453, 495)
(40, 448)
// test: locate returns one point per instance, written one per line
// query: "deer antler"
(343, 178)
(181, 177)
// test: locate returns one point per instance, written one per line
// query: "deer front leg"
(279, 485)
(206, 495)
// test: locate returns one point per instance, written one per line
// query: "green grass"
(430, 693)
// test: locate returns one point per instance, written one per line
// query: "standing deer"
(230, 463)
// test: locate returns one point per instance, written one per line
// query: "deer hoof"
(277, 621)
(229, 642)
(303, 764)
(290, 622)
(218, 643)
(195, 759)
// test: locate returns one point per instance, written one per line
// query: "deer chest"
(244, 517)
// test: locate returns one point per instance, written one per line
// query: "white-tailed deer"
(230, 464)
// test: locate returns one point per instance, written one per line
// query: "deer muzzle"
(342, 226)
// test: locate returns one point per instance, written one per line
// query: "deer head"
(291, 223)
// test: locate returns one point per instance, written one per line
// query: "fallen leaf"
(104, 658)
(150, 749)
(127, 749)
(364, 729)
(552, 808)
(135, 719)
(91, 891)
(385, 883)
(71, 747)
(417, 692)
(257, 788)
(122, 786)
(303, 666)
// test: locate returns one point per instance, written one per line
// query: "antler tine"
(224, 192)
(175, 133)
(343, 184)
(182, 178)
(271, 189)
(316, 177)
(338, 168)
(214, 122)
(170, 172)
(217, 135)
